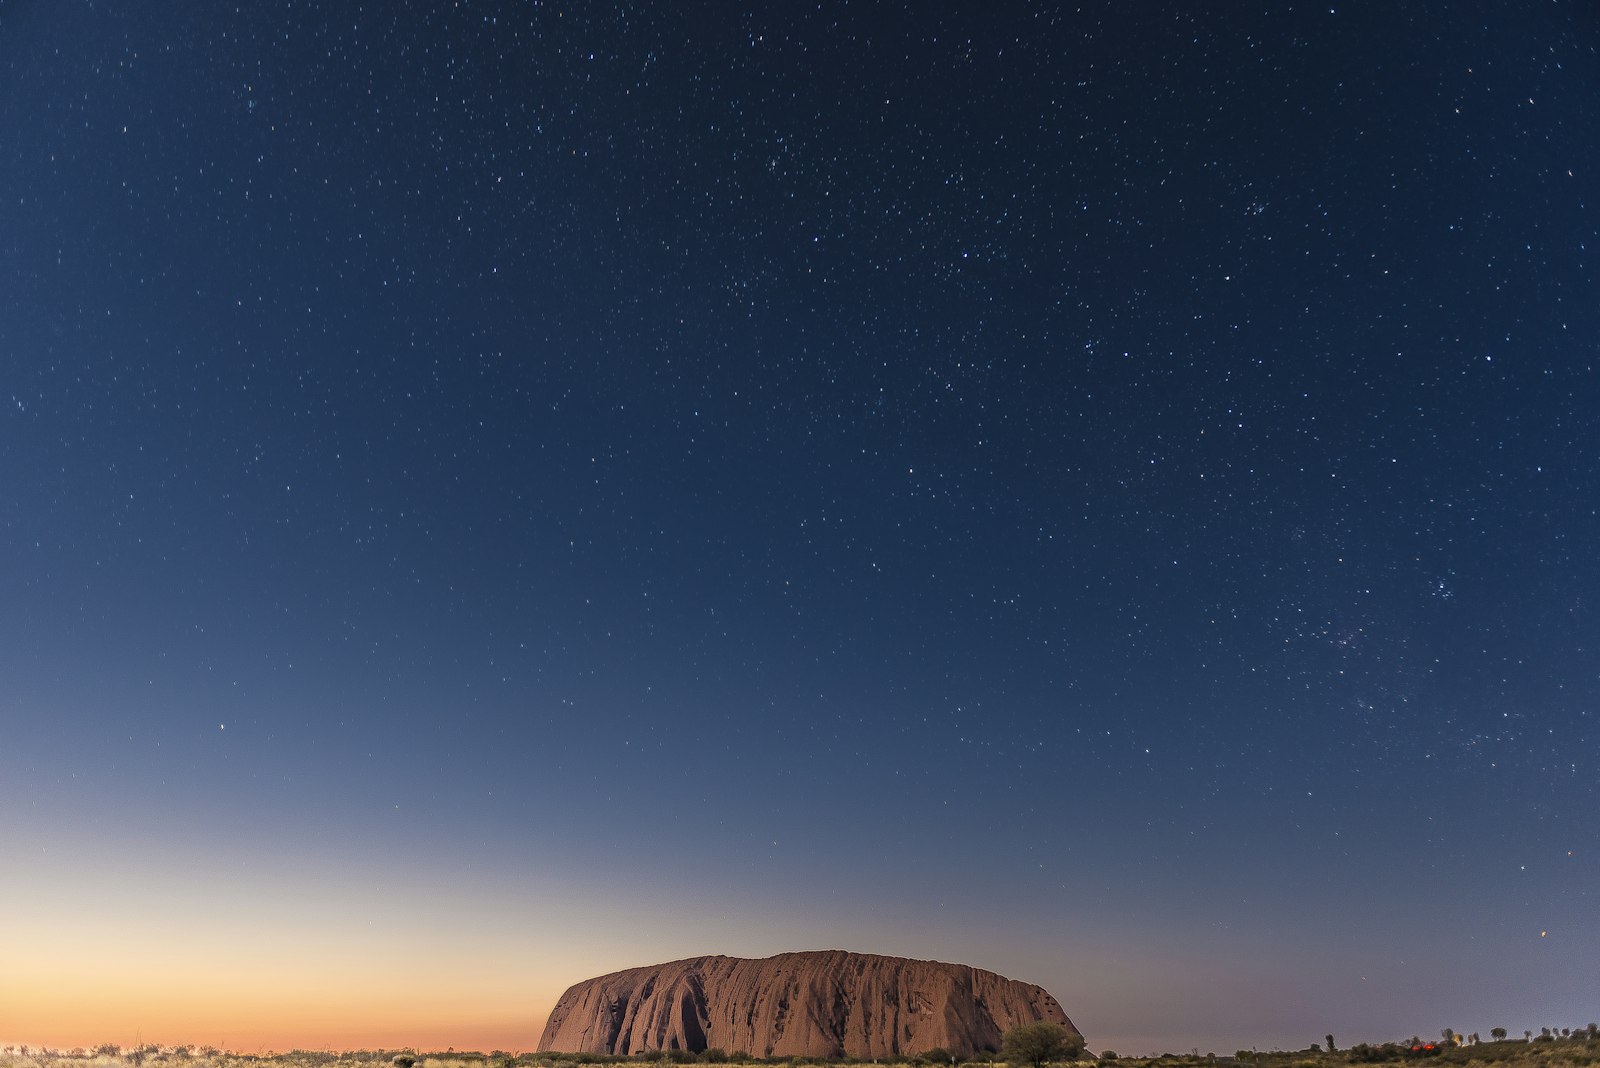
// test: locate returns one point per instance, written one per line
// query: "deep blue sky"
(1107, 495)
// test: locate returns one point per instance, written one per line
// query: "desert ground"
(1547, 1049)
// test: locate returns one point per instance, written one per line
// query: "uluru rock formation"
(823, 1004)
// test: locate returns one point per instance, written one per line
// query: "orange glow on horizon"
(429, 1016)
(267, 993)
(281, 955)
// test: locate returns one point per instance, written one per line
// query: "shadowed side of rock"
(823, 1004)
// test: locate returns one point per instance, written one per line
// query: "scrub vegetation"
(1547, 1048)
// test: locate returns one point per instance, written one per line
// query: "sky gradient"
(497, 492)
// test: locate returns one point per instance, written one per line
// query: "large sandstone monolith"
(823, 1004)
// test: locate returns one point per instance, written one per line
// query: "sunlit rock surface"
(822, 1004)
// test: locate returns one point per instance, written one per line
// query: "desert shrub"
(1041, 1042)
(403, 1060)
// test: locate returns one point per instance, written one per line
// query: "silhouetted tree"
(1497, 1033)
(1330, 1043)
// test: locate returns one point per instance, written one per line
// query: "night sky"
(492, 493)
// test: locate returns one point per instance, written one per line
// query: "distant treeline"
(1550, 1047)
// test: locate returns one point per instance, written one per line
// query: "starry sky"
(496, 492)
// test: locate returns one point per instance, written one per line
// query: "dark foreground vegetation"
(1548, 1048)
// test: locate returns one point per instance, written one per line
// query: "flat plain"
(1579, 1048)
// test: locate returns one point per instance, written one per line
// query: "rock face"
(823, 1004)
